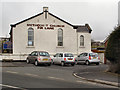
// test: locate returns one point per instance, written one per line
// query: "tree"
(112, 52)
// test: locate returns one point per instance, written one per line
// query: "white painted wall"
(46, 40)
(119, 13)
(87, 43)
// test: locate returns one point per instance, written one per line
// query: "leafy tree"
(112, 52)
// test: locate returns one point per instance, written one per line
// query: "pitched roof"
(26, 19)
(82, 29)
(86, 27)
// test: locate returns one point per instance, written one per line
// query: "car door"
(32, 57)
(77, 58)
(56, 58)
(85, 56)
(81, 57)
(35, 56)
(60, 58)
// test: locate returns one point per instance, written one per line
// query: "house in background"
(98, 47)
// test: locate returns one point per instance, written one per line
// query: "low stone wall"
(101, 55)
(10, 57)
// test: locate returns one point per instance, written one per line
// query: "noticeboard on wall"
(7, 45)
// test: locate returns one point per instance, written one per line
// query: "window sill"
(30, 47)
(59, 46)
(81, 46)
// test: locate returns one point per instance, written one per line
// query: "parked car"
(88, 58)
(64, 58)
(39, 57)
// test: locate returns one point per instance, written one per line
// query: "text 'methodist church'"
(47, 32)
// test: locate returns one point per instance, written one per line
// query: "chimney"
(45, 12)
(45, 9)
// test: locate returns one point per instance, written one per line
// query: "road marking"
(55, 78)
(85, 82)
(84, 72)
(32, 75)
(12, 72)
(9, 86)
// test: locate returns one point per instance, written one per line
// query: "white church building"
(47, 32)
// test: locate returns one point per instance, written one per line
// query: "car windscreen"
(44, 54)
(93, 54)
(68, 55)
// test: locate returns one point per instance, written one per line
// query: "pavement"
(98, 74)
(13, 64)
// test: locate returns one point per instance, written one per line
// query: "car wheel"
(62, 63)
(72, 64)
(49, 64)
(87, 63)
(36, 63)
(27, 61)
(97, 63)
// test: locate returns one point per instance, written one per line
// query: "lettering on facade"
(45, 26)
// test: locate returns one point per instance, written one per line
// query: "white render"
(119, 13)
(46, 40)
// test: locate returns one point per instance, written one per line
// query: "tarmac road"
(55, 76)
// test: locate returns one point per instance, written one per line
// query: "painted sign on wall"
(45, 26)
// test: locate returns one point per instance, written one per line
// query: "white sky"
(101, 15)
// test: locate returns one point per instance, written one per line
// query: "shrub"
(112, 52)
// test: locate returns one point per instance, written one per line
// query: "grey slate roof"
(82, 29)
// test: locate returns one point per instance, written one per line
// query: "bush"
(112, 52)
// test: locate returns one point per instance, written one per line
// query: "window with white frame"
(60, 37)
(30, 37)
(81, 40)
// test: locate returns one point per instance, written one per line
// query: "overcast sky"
(101, 15)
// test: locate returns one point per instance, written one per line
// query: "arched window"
(60, 37)
(81, 40)
(30, 37)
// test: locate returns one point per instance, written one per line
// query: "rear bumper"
(94, 61)
(90, 61)
(42, 62)
(69, 62)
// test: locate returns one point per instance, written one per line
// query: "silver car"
(39, 57)
(88, 58)
(64, 58)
